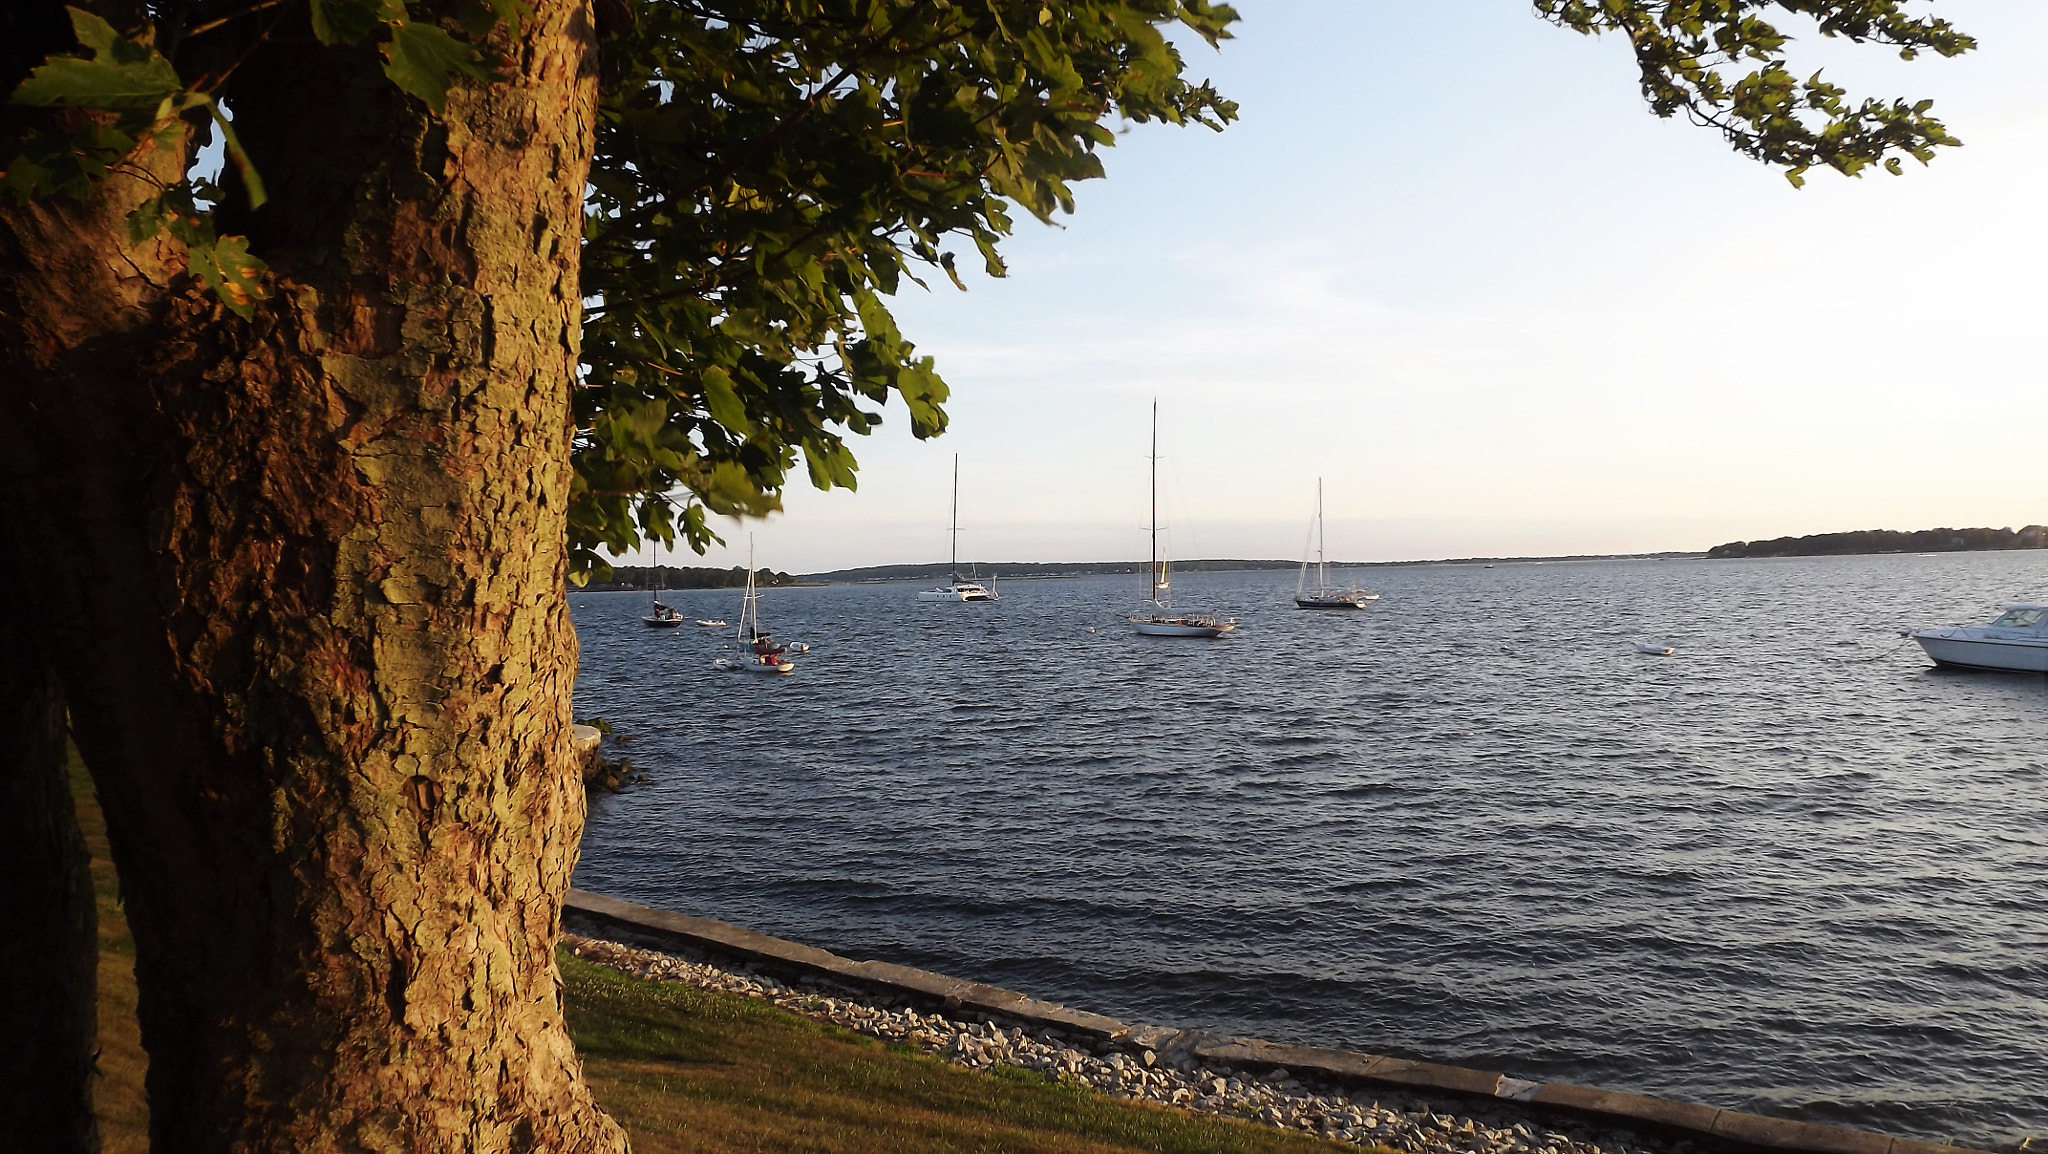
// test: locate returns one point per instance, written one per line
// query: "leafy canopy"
(769, 172)
(1685, 50)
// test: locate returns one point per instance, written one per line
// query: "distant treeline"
(1022, 569)
(1888, 541)
(679, 577)
(1028, 569)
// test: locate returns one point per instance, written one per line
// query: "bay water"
(1791, 868)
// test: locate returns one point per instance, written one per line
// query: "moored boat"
(2017, 642)
(1325, 595)
(753, 650)
(1182, 625)
(958, 590)
(660, 615)
(1167, 621)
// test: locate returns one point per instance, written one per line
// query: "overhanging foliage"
(769, 172)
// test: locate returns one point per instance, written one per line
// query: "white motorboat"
(1655, 649)
(1325, 595)
(711, 622)
(1165, 621)
(753, 650)
(2015, 643)
(958, 590)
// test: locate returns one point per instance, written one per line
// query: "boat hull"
(661, 622)
(1335, 602)
(1944, 647)
(761, 668)
(1150, 628)
(956, 595)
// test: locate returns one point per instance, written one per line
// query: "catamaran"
(1166, 621)
(753, 650)
(1325, 595)
(958, 590)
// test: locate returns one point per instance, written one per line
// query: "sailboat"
(1166, 622)
(1325, 595)
(659, 615)
(753, 650)
(959, 590)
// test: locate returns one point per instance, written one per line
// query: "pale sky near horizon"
(1449, 262)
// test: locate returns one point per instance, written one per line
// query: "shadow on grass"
(688, 1069)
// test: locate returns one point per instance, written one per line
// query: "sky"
(1449, 263)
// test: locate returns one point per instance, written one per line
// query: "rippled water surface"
(1792, 869)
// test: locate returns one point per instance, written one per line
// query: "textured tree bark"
(49, 941)
(305, 592)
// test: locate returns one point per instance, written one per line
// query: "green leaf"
(229, 270)
(350, 21)
(121, 74)
(424, 60)
(512, 12)
(93, 31)
(723, 401)
(251, 182)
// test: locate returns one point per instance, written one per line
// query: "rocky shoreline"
(1383, 1120)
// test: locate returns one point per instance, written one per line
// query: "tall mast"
(747, 598)
(956, 519)
(1154, 458)
(1322, 562)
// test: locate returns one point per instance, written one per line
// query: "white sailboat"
(1325, 595)
(660, 615)
(753, 650)
(958, 590)
(1166, 621)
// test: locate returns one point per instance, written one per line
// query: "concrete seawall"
(1705, 1126)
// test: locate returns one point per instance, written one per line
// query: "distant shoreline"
(1046, 571)
(1867, 542)
(677, 578)
(1872, 542)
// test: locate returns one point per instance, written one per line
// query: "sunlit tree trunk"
(302, 578)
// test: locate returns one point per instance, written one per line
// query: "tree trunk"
(303, 578)
(49, 933)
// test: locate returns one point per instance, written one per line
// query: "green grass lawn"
(688, 1069)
